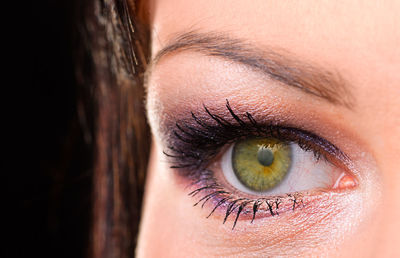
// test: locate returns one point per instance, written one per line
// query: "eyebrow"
(277, 64)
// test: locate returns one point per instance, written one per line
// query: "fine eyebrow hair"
(279, 65)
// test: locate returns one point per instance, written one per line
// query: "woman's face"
(283, 119)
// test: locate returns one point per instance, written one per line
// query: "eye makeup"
(194, 145)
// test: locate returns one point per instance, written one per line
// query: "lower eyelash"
(211, 191)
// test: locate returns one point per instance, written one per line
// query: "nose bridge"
(390, 167)
(385, 142)
(377, 121)
(388, 232)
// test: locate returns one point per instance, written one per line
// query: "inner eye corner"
(346, 181)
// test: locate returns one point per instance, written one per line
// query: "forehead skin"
(358, 39)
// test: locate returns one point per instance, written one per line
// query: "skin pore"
(326, 67)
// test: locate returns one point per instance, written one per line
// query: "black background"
(48, 200)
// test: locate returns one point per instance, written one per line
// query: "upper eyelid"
(187, 135)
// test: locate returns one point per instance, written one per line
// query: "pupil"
(265, 156)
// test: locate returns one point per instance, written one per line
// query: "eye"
(239, 165)
(268, 167)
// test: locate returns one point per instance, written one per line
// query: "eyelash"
(195, 143)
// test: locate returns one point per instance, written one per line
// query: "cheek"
(172, 227)
(166, 226)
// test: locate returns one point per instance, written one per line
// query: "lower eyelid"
(226, 206)
(232, 205)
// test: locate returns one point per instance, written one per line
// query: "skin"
(359, 40)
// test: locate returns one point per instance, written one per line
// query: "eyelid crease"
(277, 64)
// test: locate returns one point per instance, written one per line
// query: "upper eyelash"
(194, 143)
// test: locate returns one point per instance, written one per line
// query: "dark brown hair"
(84, 142)
(115, 55)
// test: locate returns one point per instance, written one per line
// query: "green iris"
(261, 163)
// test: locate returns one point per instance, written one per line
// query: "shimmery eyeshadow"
(194, 143)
